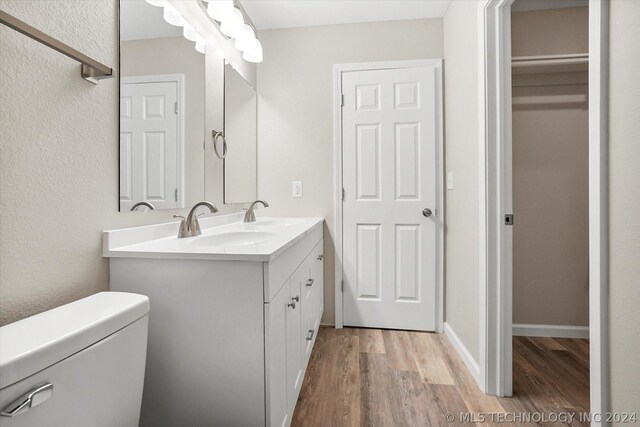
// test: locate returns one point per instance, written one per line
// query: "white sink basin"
(234, 238)
(224, 237)
(277, 222)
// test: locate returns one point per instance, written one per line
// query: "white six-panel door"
(148, 144)
(390, 130)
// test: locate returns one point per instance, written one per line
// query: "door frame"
(494, 36)
(178, 79)
(337, 229)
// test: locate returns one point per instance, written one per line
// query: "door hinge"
(176, 194)
(342, 100)
(343, 194)
(508, 219)
(176, 107)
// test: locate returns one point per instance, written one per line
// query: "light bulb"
(246, 39)
(220, 9)
(233, 25)
(157, 3)
(172, 16)
(190, 33)
(254, 54)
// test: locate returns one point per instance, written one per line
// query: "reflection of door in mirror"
(162, 102)
(240, 129)
(150, 142)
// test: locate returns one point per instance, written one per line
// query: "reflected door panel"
(148, 144)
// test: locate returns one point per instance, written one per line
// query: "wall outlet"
(450, 181)
(296, 189)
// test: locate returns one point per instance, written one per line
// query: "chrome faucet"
(250, 216)
(190, 226)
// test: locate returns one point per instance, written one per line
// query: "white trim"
(494, 69)
(178, 79)
(495, 321)
(338, 69)
(462, 351)
(553, 331)
(598, 205)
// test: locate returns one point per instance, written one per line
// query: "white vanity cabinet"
(229, 336)
(292, 319)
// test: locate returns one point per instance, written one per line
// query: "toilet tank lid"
(37, 342)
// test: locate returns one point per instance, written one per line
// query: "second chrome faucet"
(250, 216)
(190, 226)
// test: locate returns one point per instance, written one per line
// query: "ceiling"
(270, 14)
(139, 20)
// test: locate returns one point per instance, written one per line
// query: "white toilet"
(81, 364)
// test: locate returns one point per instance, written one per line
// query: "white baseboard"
(553, 331)
(464, 354)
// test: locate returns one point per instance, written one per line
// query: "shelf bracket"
(90, 70)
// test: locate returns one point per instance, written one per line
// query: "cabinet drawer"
(278, 271)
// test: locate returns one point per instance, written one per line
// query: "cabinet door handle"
(320, 257)
(311, 332)
(296, 299)
(292, 304)
(309, 282)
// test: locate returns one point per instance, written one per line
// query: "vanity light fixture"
(173, 17)
(234, 23)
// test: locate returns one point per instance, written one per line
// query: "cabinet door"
(307, 309)
(318, 285)
(293, 332)
(276, 357)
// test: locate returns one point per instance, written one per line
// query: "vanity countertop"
(223, 238)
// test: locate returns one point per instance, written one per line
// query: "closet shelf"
(550, 64)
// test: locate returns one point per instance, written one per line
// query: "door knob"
(426, 212)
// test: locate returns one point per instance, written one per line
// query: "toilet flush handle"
(28, 400)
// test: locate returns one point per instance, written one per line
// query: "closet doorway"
(497, 223)
(550, 187)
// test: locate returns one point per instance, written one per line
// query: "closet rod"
(549, 60)
(90, 70)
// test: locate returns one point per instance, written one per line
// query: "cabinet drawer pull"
(311, 332)
(310, 282)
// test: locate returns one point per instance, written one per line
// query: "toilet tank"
(83, 363)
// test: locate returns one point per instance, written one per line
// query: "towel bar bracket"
(90, 70)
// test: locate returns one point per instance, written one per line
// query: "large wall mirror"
(240, 132)
(162, 112)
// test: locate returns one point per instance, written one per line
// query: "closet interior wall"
(550, 170)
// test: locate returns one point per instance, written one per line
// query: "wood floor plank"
(475, 400)
(430, 360)
(375, 404)
(369, 377)
(371, 340)
(399, 350)
(331, 388)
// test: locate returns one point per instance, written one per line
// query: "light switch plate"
(450, 181)
(296, 189)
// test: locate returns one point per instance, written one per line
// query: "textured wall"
(59, 157)
(624, 205)
(295, 110)
(461, 153)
